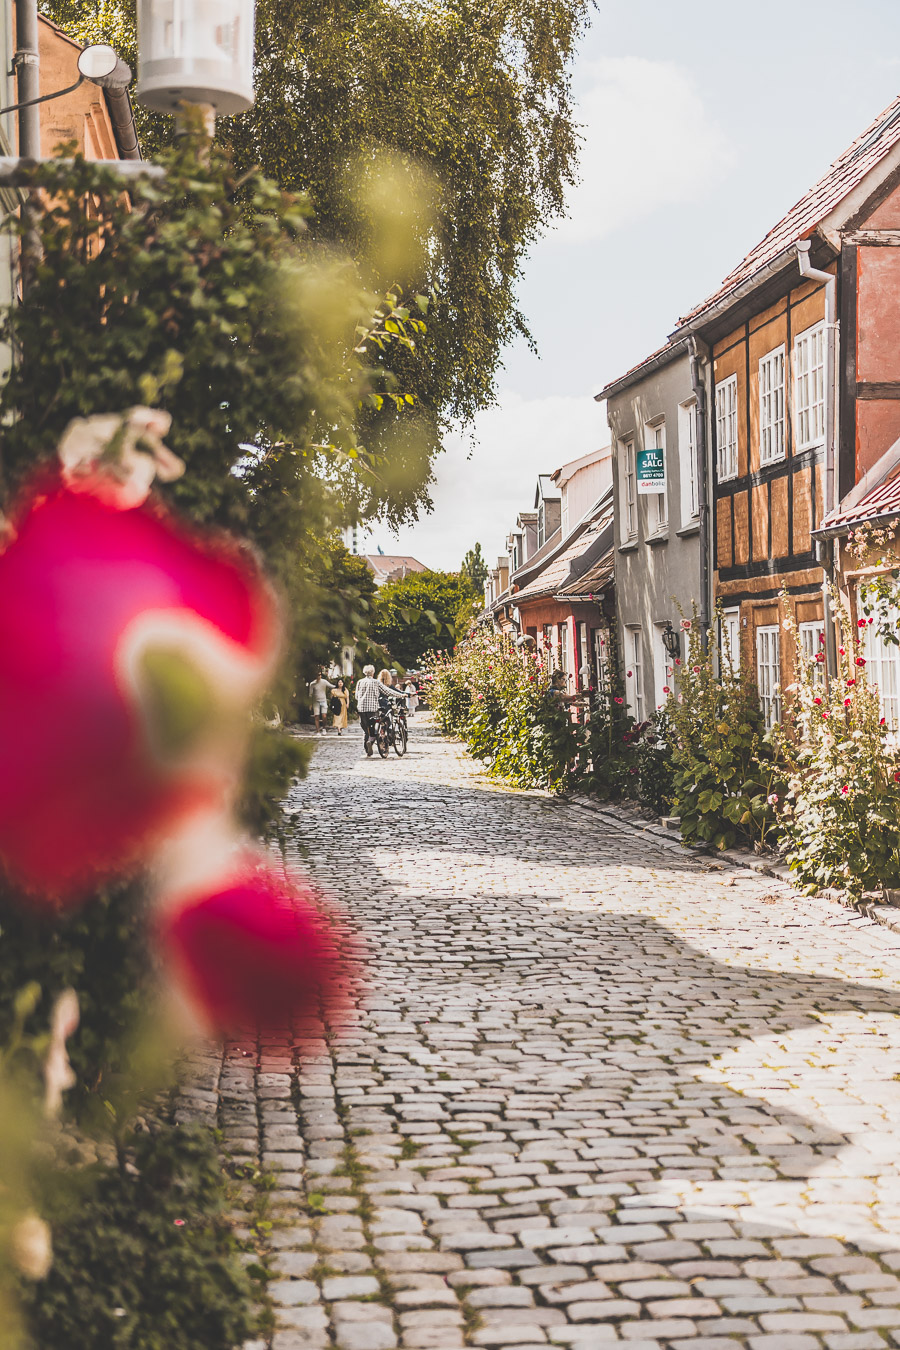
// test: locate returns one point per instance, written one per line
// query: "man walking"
(368, 692)
(319, 689)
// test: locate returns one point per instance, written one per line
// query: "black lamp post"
(671, 640)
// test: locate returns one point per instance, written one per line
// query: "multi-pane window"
(809, 387)
(730, 637)
(584, 667)
(663, 668)
(655, 439)
(726, 428)
(812, 645)
(601, 658)
(687, 444)
(883, 668)
(771, 407)
(629, 490)
(634, 679)
(768, 672)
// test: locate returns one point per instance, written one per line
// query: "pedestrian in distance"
(319, 689)
(368, 701)
(340, 703)
(412, 697)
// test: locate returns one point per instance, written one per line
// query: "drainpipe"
(27, 63)
(831, 423)
(699, 359)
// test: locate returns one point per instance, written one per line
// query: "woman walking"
(340, 702)
(412, 696)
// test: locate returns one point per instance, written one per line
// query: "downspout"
(27, 63)
(698, 360)
(831, 421)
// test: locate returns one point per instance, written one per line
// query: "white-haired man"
(368, 700)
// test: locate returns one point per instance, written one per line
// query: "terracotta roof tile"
(556, 573)
(883, 500)
(846, 173)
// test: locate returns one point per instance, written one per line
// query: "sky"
(702, 122)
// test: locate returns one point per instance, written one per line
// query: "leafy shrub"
(841, 817)
(144, 1258)
(654, 763)
(725, 770)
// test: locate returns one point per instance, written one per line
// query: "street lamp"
(195, 52)
(671, 640)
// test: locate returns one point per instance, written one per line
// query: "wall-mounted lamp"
(671, 640)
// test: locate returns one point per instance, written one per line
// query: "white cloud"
(478, 498)
(648, 142)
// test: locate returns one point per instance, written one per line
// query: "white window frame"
(634, 685)
(883, 670)
(768, 672)
(809, 388)
(601, 659)
(584, 662)
(655, 439)
(812, 643)
(629, 491)
(730, 649)
(688, 468)
(771, 406)
(663, 666)
(726, 429)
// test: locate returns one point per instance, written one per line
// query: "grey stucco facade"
(657, 547)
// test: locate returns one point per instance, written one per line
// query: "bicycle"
(391, 730)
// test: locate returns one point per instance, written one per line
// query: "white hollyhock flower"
(32, 1249)
(58, 1074)
(118, 455)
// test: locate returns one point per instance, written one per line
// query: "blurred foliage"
(416, 613)
(144, 1255)
(462, 106)
(101, 951)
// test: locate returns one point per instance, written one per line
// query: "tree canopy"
(461, 107)
(416, 615)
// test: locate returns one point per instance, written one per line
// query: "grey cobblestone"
(599, 1091)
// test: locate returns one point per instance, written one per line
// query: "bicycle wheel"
(401, 736)
(382, 740)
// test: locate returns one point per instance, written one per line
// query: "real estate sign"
(651, 470)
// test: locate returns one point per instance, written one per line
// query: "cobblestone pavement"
(599, 1090)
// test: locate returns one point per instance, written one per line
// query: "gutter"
(831, 416)
(121, 114)
(720, 308)
(699, 364)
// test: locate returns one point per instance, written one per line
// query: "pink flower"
(871, 621)
(850, 684)
(695, 669)
(847, 702)
(772, 799)
(817, 700)
(821, 639)
(860, 660)
(897, 775)
(666, 689)
(860, 623)
(843, 651)
(179, 1223)
(882, 722)
(479, 695)
(628, 673)
(820, 658)
(824, 717)
(678, 660)
(619, 699)
(845, 790)
(253, 951)
(685, 625)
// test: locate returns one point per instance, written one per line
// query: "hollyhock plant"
(131, 648)
(252, 951)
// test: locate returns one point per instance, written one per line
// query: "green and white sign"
(651, 470)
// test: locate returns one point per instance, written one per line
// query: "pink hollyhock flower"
(882, 722)
(817, 700)
(850, 684)
(695, 669)
(131, 648)
(842, 651)
(628, 673)
(820, 658)
(772, 799)
(860, 660)
(619, 699)
(897, 775)
(824, 717)
(254, 952)
(860, 623)
(845, 790)
(678, 660)
(847, 702)
(685, 625)
(871, 620)
(666, 689)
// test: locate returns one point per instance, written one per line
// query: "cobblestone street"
(599, 1090)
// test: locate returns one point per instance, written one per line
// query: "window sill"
(630, 546)
(661, 537)
(687, 530)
